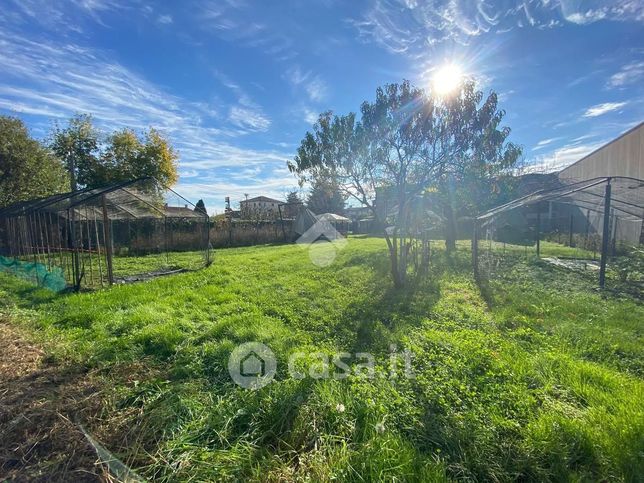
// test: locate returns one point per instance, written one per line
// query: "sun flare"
(447, 78)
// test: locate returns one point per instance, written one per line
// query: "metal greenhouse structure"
(94, 237)
(593, 226)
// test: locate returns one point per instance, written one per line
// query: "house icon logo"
(323, 242)
(252, 365)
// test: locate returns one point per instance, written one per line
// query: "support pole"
(74, 246)
(107, 237)
(207, 240)
(475, 249)
(570, 230)
(538, 229)
(613, 247)
(605, 235)
(89, 248)
(279, 208)
(98, 248)
(587, 228)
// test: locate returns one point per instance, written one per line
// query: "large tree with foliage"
(27, 169)
(201, 207)
(77, 146)
(129, 156)
(326, 196)
(407, 141)
(293, 203)
(122, 156)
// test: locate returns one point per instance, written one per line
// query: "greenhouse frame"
(94, 237)
(592, 223)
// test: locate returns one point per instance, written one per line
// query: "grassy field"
(540, 379)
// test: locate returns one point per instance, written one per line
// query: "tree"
(407, 142)
(293, 203)
(27, 169)
(77, 146)
(125, 155)
(201, 207)
(468, 179)
(326, 196)
(128, 156)
(293, 197)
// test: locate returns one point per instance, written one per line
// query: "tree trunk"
(393, 259)
(450, 225)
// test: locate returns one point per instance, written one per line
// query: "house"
(260, 208)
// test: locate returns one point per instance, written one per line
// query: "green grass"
(541, 380)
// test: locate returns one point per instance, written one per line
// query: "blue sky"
(235, 84)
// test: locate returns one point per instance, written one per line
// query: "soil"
(40, 405)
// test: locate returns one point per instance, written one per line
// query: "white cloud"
(53, 81)
(404, 26)
(589, 16)
(316, 89)
(312, 84)
(543, 143)
(600, 109)
(561, 157)
(310, 116)
(628, 74)
(63, 15)
(234, 21)
(165, 19)
(273, 183)
(247, 114)
(248, 118)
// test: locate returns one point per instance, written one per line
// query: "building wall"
(623, 156)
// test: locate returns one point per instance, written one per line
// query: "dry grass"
(38, 402)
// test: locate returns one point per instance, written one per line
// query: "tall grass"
(542, 380)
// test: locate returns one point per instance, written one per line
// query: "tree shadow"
(380, 317)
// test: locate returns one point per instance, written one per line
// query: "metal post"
(475, 249)
(570, 232)
(107, 237)
(279, 208)
(538, 229)
(605, 235)
(614, 244)
(207, 240)
(587, 228)
(77, 248)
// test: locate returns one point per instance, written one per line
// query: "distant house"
(357, 213)
(260, 207)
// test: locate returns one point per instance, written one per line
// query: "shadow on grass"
(378, 317)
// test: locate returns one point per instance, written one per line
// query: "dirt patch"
(40, 402)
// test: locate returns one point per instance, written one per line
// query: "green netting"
(38, 273)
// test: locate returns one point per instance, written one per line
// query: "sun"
(446, 79)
